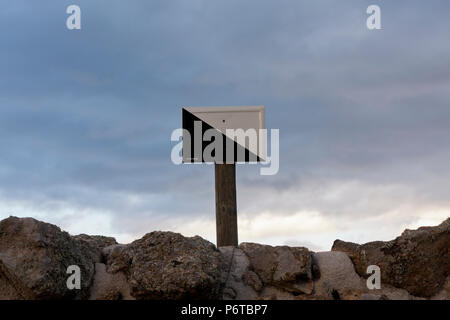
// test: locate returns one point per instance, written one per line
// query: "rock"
(11, 288)
(388, 292)
(287, 268)
(166, 265)
(444, 294)
(252, 279)
(338, 279)
(359, 254)
(36, 256)
(418, 260)
(255, 271)
(94, 245)
(115, 257)
(371, 296)
(96, 241)
(109, 286)
(238, 282)
(228, 294)
(275, 293)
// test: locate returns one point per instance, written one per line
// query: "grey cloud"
(86, 116)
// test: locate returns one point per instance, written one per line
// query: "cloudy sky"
(364, 116)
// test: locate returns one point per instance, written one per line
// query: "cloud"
(86, 116)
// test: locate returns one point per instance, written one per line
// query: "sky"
(86, 115)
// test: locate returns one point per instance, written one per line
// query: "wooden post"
(226, 210)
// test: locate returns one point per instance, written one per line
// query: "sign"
(224, 134)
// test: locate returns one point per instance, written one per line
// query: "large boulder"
(336, 278)
(418, 260)
(11, 288)
(109, 286)
(238, 281)
(34, 256)
(166, 265)
(96, 241)
(94, 245)
(282, 267)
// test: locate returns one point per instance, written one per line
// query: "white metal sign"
(224, 134)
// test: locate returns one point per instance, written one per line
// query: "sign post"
(226, 209)
(224, 136)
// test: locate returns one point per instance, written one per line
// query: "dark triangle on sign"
(188, 120)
